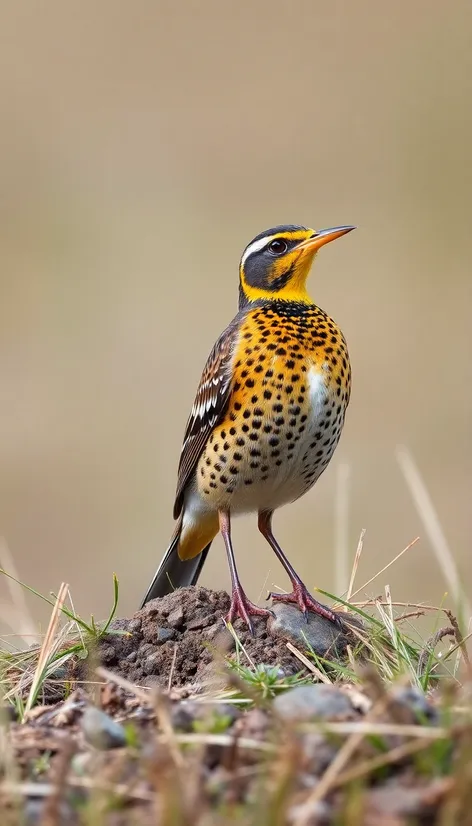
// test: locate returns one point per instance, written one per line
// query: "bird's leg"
(240, 604)
(300, 594)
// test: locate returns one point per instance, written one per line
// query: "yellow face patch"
(283, 276)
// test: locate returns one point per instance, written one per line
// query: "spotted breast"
(291, 386)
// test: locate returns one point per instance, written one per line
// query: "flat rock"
(312, 702)
(324, 637)
(101, 731)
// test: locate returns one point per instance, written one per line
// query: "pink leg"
(300, 594)
(240, 606)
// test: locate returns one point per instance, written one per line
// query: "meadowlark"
(267, 416)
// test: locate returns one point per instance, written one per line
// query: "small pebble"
(101, 731)
(200, 622)
(107, 653)
(309, 702)
(176, 617)
(134, 625)
(165, 634)
(414, 702)
(151, 662)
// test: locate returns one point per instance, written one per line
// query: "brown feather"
(209, 405)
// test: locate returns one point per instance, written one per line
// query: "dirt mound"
(178, 636)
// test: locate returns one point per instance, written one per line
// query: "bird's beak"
(323, 236)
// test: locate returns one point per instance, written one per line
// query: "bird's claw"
(243, 608)
(300, 596)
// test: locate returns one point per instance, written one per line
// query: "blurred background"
(142, 146)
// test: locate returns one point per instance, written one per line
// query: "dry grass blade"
(30, 789)
(432, 526)
(138, 691)
(366, 727)
(341, 528)
(47, 646)
(334, 769)
(17, 614)
(225, 740)
(378, 601)
(52, 809)
(323, 678)
(393, 756)
(355, 565)
(392, 561)
(161, 705)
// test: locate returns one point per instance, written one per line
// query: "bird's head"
(276, 263)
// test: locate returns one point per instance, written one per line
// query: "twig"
(410, 615)
(460, 640)
(430, 645)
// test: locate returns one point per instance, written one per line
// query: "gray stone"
(200, 622)
(414, 704)
(102, 731)
(151, 662)
(312, 702)
(325, 638)
(165, 634)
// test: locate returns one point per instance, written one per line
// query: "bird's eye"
(278, 246)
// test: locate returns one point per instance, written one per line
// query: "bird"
(267, 417)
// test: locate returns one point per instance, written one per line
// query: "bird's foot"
(242, 607)
(301, 597)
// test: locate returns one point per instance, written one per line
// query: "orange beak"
(323, 236)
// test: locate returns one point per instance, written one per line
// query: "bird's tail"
(183, 561)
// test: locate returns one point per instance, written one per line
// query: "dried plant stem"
(392, 561)
(47, 645)
(323, 678)
(355, 565)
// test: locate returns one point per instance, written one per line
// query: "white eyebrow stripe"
(256, 246)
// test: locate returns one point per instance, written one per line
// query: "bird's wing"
(209, 405)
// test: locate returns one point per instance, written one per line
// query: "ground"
(174, 719)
